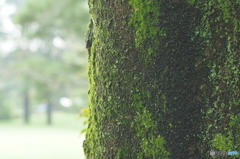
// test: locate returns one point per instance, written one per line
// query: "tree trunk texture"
(164, 79)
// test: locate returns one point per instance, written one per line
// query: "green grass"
(37, 140)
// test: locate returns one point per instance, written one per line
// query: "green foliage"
(45, 74)
(53, 71)
(84, 114)
(53, 17)
(6, 112)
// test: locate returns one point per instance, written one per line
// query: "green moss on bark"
(158, 89)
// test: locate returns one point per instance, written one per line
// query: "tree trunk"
(164, 79)
(26, 106)
(49, 112)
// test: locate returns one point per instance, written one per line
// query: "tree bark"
(164, 78)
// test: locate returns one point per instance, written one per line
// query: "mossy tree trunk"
(164, 79)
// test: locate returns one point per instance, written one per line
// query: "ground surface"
(63, 140)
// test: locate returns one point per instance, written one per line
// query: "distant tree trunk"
(164, 79)
(26, 107)
(49, 112)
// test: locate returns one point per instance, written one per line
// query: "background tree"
(46, 26)
(49, 58)
(164, 78)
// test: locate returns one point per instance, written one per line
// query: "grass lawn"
(62, 140)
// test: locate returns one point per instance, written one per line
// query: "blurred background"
(43, 78)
